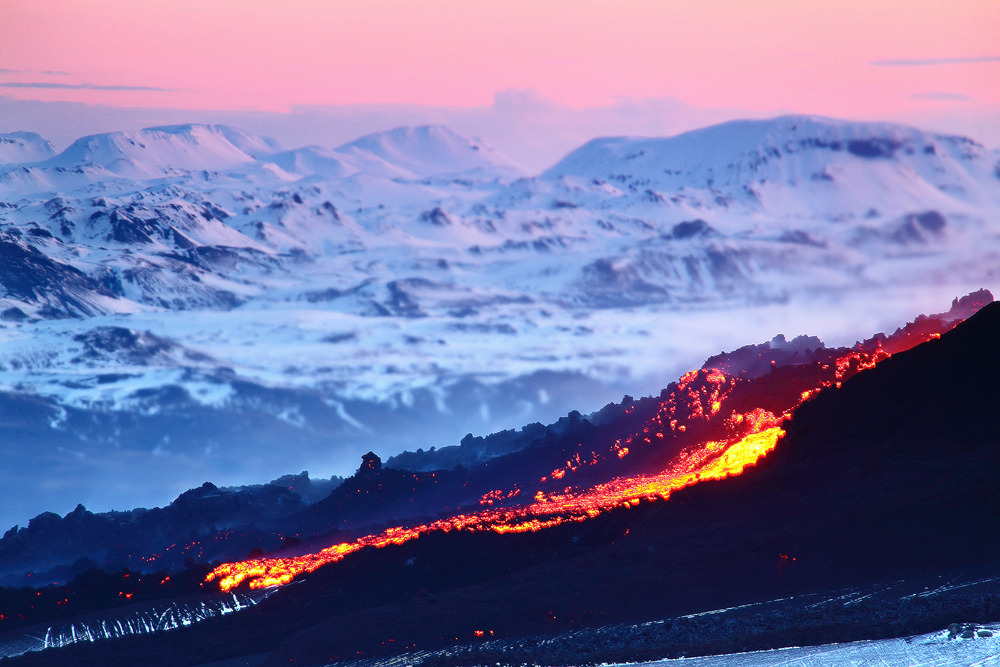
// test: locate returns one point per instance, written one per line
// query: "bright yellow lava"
(712, 460)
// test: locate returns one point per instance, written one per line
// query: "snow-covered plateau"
(195, 302)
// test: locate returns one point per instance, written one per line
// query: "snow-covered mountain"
(405, 286)
(428, 151)
(323, 163)
(790, 166)
(18, 147)
(157, 152)
(728, 209)
(164, 151)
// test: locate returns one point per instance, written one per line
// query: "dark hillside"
(893, 477)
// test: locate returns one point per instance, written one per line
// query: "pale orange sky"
(809, 57)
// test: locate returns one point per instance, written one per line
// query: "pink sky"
(811, 57)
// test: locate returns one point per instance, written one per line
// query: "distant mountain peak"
(431, 150)
(806, 163)
(17, 147)
(725, 141)
(165, 151)
(254, 145)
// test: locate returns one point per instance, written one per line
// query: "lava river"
(708, 425)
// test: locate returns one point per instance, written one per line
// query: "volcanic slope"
(578, 464)
(888, 478)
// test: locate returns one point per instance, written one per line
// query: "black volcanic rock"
(374, 495)
(945, 390)
(757, 360)
(872, 485)
(753, 361)
(371, 464)
(202, 523)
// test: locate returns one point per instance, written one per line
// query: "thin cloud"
(940, 95)
(80, 86)
(47, 72)
(929, 62)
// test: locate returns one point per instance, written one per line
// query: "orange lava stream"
(698, 398)
(711, 460)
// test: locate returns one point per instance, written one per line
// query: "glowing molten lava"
(714, 460)
(709, 425)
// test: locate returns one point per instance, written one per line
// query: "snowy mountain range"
(179, 298)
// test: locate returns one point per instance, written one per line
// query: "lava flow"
(715, 460)
(709, 425)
